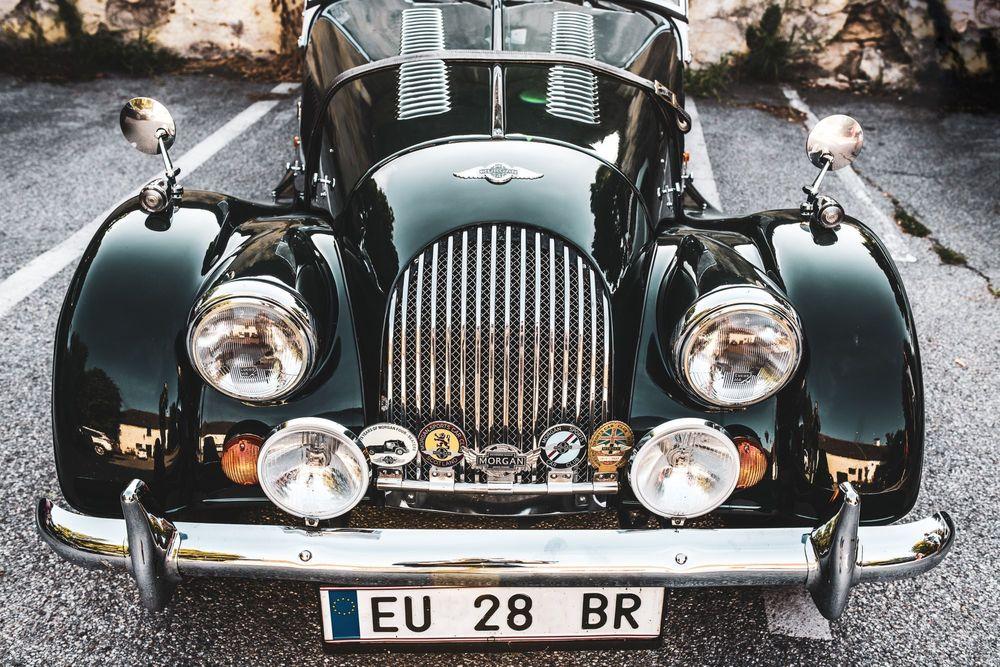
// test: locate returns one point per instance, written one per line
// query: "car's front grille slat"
(502, 330)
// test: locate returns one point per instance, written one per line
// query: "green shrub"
(768, 53)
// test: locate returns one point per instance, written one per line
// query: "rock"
(833, 82)
(138, 14)
(871, 64)
(988, 13)
(714, 39)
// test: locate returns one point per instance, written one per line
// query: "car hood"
(409, 202)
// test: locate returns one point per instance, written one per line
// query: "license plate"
(412, 615)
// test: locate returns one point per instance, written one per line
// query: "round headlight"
(737, 347)
(684, 468)
(252, 340)
(313, 468)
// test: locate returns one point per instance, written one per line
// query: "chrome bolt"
(681, 559)
(305, 555)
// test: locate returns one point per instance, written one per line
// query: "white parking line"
(878, 221)
(700, 166)
(792, 613)
(20, 284)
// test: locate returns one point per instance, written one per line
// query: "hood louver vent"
(572, 92)
(423, 87)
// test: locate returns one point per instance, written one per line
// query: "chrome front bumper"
(828, 560)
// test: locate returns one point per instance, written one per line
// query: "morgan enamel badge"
(563, 446)
(501, 462)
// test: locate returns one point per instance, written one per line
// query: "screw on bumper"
(828, 561)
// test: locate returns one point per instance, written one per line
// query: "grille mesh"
(502, 330)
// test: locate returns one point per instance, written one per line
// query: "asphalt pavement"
(62, 162)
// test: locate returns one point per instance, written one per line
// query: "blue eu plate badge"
(340, 618)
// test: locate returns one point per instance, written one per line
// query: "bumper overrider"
(828, 560)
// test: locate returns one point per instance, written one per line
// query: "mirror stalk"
(833, 143)
(149, 128)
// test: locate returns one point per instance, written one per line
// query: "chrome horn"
(834, 143)
(149, 128)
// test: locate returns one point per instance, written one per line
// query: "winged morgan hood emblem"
(498, 173)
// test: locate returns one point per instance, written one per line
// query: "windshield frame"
(671, 111)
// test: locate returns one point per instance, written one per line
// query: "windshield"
(614, 121)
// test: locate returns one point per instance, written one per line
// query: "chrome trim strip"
(498, 115)
(402, 339)
(552, 320)
(579, 334)
(566, 340)
(496, 38)
(519, 489)
(523, 285)
(447, 327)
(391, 345)
(418, 398)
(491, 350)
(420, 557)
(535, 399)
(464, 324)
(433, 336)
(505, 396)
(607, 352)
(479, 327)
(593, 342)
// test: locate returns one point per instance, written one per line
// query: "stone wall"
(192, 28)
(886, 42)
(845, 42)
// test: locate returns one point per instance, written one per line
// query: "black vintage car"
(487, 286)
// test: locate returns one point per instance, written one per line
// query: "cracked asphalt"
(63, 163)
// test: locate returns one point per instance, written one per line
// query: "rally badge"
(389, 445)
(609, 445)
(441, 443)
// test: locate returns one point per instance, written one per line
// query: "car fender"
(120, 365)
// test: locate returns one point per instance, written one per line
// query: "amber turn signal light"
(753, 463)
(239, 458)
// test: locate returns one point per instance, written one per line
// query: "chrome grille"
(502, 330)
(572, 92)
(423, 87)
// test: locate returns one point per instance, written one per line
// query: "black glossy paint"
(121, 374)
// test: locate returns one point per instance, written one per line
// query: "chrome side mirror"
(834, 143)
(146, 124)
(149, 128)
(836, 140)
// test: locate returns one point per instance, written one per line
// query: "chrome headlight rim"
(723, 301)
(277, 298)
(327, 427)
(665, 430)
